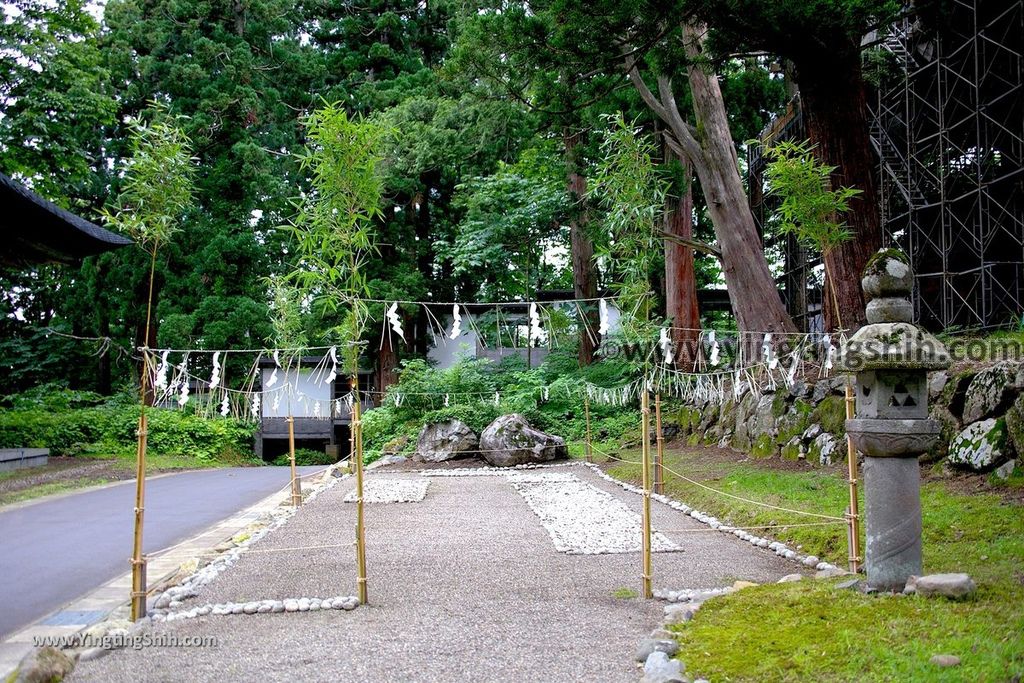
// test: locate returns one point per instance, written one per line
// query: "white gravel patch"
(582, 519)
(391, 491)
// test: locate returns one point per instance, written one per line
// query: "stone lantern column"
(891, 357)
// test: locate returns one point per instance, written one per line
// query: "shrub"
(69, 422)
(303, 457)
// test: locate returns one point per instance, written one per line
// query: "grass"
(40, 490)
(624, 594)
(812, 630)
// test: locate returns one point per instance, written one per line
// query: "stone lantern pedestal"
(891, 357)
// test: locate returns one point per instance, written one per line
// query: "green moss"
(1015, 425)
(876, 263)
(778, 405)
(764, 447)
(624, 594)
(802, 407)
(791, 452)
(812, 631)
(693, 440)
(831, 415)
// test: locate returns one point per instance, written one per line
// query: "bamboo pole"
(659, 458)
(645, 419)
(296, 485)
(360, 521)
(586, 412)
(138, 560)
(852, 515)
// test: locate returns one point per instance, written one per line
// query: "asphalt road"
(54, 551)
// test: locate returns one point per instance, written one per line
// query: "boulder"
(825, 447)
(981, 447)
(660, 669)
(953, 586)
(445, 441)
(42, 665)
(992, 390)
(510, 440)
(1015, 425)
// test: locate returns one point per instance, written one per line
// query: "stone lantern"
(891, 357)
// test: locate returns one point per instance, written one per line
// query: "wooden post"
(360, 521)
(645, 422)
(852, 515)
(659, 459)
(296, 485)
(138, 562)
(586, 444)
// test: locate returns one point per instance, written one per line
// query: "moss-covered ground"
(815, 631)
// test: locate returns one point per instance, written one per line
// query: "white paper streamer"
(535, 331)
(714, 347)
(830, 352)
(316, 409)
(161, 372)
(183, 396)
(666, 345)
(456, 323)
(215, 375)
(333, 375)
(767, 353)
(255, 405)
(497, 398)
(395, 320)
(602, 307)
(225, 406)
(446, 400)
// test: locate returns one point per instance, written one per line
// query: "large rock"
(992, 390)
(510, 440)
(953, 586)
(446, 441)
(981, 447)
(43, 665)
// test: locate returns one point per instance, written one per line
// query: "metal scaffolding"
(948, 128)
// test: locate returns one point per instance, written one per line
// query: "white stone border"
(345, 602)
(190, 586)
(779, 548)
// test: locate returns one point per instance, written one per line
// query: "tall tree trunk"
(681, 305)
(425, 254)
(387, 355)
(387, 361)
(709, 147)
(842, 139)
(584, 270)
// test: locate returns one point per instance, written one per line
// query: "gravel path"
(464, 586)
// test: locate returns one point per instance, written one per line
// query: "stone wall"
(981, 411)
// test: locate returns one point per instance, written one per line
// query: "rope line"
(748, 500)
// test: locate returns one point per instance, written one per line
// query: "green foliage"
(471, 386)
(70, 422)
(628, 184)
(810, 207)
(303, 457)
(286, 317)
(334, 226)
(512, 216)
(156, 190)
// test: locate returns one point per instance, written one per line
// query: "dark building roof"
(38, 231)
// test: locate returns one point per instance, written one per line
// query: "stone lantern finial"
(891, 358)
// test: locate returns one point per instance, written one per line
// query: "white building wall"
(300, 388)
